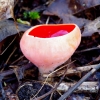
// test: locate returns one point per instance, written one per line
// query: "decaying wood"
(90, 87)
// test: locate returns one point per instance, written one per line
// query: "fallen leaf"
(67, 18)
(8, 28)
(91, 27)
(59, 7)
(65, 10)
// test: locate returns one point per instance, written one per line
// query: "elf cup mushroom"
(48, 46)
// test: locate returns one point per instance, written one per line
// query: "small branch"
(47, 21)
(91, 87)
(85, 50)
(8, 46)
(77, 70)
(17, 60)
(11, 55)
(66, 94)
(86, 68)
(9, 72)
(96, 59)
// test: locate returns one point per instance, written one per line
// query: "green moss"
(34, 15)
(31, 15)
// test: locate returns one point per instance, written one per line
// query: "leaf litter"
(16, 70)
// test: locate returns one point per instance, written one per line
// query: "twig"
(51, 96)
(12, 13)
(47, 21)
(96, 59)
(40, 21)
(91, 87)
(19, 73)
(8, 58)
(8, 46)
(86, 68)
(9, 72)
(77, 70)
(95, 48)
(10, 55)
(17, 60)
(66, 94)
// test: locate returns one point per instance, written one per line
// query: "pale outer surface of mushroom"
(47, 54)
(5, 9)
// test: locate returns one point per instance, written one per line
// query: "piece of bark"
(91, 87)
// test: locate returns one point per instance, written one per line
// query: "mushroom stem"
(46, 77)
